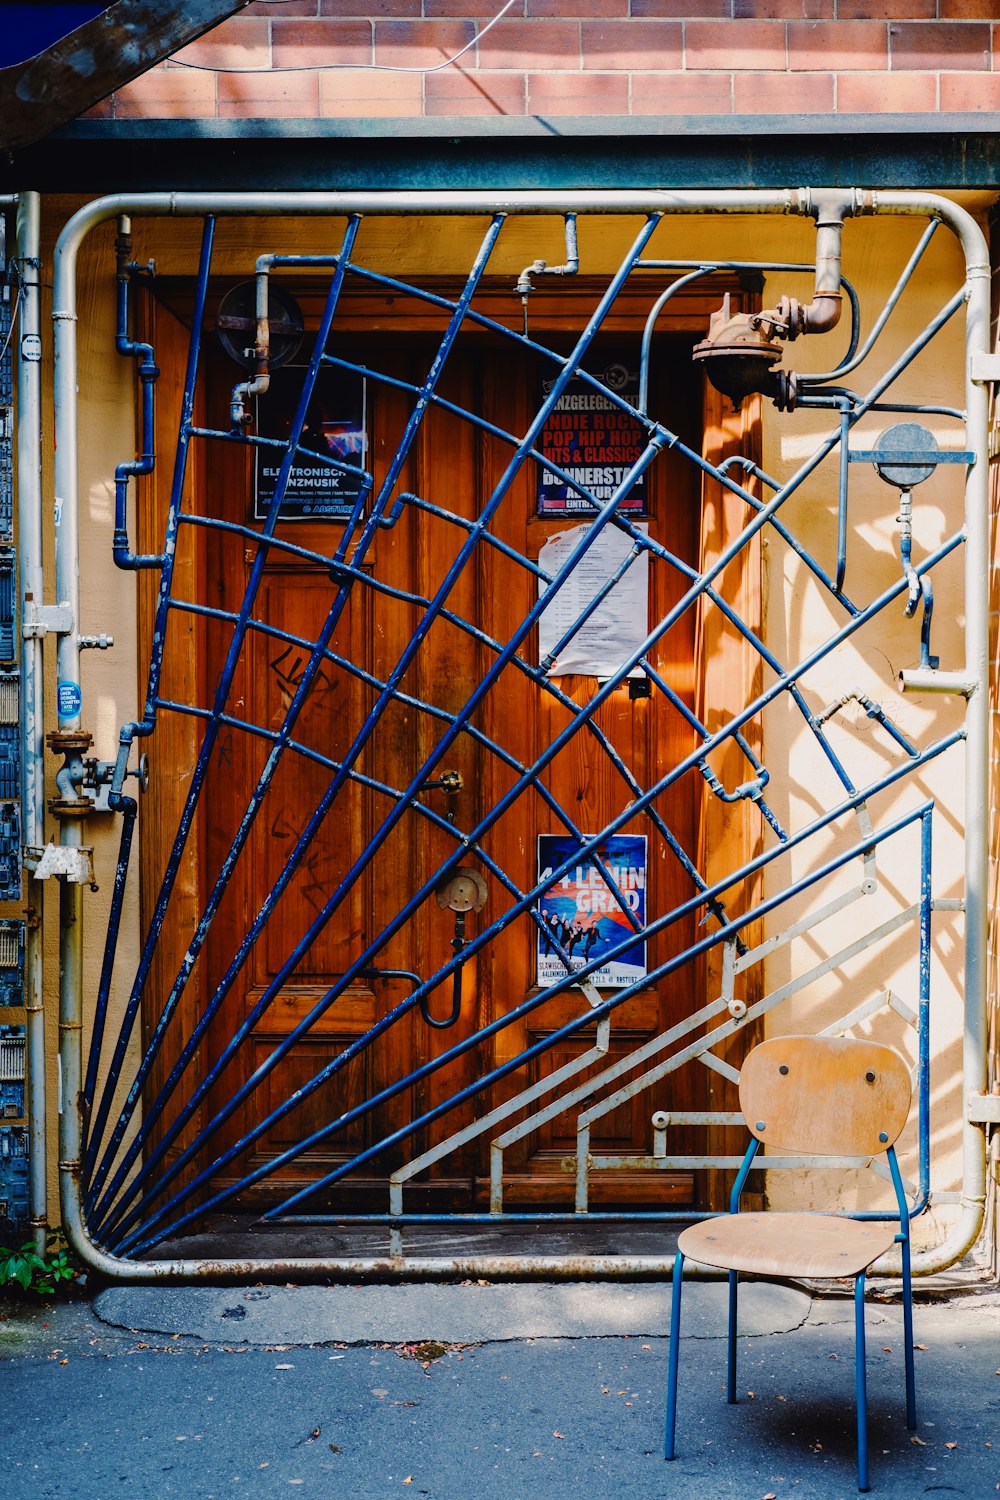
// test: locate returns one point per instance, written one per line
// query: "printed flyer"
(617, 627)
(581, 913)
(594, 441)
(334, 429)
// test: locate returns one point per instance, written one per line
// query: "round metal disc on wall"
(236, 325)
(906, 437)
(463, 890)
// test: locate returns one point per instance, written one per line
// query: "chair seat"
(780, 1244)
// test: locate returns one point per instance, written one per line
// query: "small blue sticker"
(69, 699)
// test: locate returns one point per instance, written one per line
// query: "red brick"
(785, 10)
(886, 10)
(262, 95)
(240, 42)
(632, 44)
(966, 10)
(854, 45)
(682, 94)
(970, 93)
(747, 45)
(282, 8)
(886, 93)
(361, 92)
(167, 94)
(318, 42)
(358, 8)
(421, 44)
(595, 8)
(939, 44)
(531, 44)
(477, 10)
(683, 10)
(577, 94)
(456, 92)
(782, 93)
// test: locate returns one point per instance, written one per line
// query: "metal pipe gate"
(155, 1133)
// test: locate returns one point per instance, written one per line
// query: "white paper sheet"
(618, 625)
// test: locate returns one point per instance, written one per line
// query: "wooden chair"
(816, 1096)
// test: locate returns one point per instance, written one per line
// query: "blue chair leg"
(861, 1382)
(731, 1374)
(911, 1394)
(675, 1338)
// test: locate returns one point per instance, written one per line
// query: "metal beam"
(98, 156)
(125, 40)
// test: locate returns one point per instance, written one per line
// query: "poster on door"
(593, 624)
(581, 914)
(594, 442)
(328, 472)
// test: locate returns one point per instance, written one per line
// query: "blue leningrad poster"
(581, 913)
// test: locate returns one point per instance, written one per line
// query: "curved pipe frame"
(975, 676)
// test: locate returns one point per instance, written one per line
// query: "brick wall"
(610, 57)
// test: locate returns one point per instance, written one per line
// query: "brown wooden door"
(454, 467)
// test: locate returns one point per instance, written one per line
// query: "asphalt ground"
(490, 1392)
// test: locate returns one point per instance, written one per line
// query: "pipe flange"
(70, 807)
(66, 741)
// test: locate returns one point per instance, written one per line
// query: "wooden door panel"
(298, 600)
(454, 468)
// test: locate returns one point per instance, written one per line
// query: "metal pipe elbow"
(822, 313)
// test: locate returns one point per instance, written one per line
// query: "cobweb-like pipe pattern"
(346, 664)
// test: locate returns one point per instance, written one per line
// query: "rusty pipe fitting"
(741, 352)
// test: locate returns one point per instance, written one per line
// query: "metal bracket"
(41, 620)
(74, 861)
(984, 369)
(983, 1109)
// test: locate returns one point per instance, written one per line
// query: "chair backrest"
(825, 1096)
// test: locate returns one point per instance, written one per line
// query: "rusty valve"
(742, 349)
(739, 354)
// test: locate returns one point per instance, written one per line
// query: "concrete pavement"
(494, 1392)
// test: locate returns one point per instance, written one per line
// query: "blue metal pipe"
(903, 1240)
(845, 631)
(787, 536)
(852, 361)
(752, 709)
(927, 661)
(669, 1442)
(136, 1243)
(146, 724)
(924, 1007)
(498, 1073)
(459, 563)
(128, 807)
(215, 897)
(148, 374)
(221, 695)
(294, 958)
(731, 1338)
(861, 1380)
(844, 469)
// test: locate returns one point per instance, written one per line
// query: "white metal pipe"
(931, 680)
(29, 543)
(522, 203)
(67, 583)
(977, 554)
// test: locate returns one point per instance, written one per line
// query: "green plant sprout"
(38, 1275)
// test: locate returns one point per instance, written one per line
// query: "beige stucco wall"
(797, 614)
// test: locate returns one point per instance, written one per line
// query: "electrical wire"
(355, 67)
